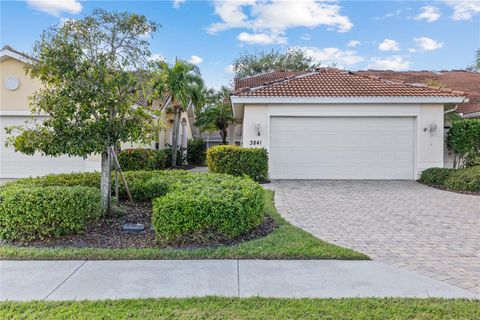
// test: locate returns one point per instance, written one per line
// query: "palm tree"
(181, 83)
(218, 116)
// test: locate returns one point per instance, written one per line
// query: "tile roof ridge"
(278, 81)
(415, 85)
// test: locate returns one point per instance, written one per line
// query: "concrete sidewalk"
(78, 280)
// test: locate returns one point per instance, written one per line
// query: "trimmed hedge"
(34, 212)
(208, 206)
(196, 151)
(238, 161)
(85, 179)
(187, 205)
(467, 179)
(142, 159)
(435, 176)
(462, 180)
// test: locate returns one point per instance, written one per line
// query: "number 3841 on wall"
(255, 142)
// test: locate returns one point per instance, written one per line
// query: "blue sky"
(398, 35)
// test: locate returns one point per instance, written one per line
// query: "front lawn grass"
(251, 308)
(286, 242)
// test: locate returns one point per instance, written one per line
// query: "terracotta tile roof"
(329, 82)
(454, 79)
(264, 78)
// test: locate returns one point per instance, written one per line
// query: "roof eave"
(351, 100)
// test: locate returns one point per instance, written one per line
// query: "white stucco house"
(16, 88)
(333, 124)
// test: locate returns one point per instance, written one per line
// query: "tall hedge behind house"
(142, 159)
(238, 161)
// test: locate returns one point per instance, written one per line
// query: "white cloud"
(56, 7)
(412, 50)
(429, 13)
(261, 38)
(275, 17)
(329, 56)
(464, 9)
(389, 15)
(156, 56)
(195, 59)
(389, 45)
(178, 3)
(427, 44)
(353, 43)
(395, 63)
(229, 69)
(306, 36)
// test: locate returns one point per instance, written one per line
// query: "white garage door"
(341, 148)
(18, 165)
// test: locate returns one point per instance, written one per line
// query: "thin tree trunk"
(106, 183)
(223, 134)
(175, 138)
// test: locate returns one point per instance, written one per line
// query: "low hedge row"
(35, 212)
(208, 206)
(142, 159)
(238, 161)
(187, 206)
(462, 180)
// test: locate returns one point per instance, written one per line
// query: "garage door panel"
(341, 148)
(18, 165)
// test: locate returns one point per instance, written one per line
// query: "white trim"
(471, 115)
(5, 53)
(356, 100)
(20, 113)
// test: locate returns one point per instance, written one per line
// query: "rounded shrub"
(238, 161)
(142, 159)
(435, 176)
(35, 212)
(208, 206)
(466, 180)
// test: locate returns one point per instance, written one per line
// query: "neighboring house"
(468, 81)
(16, 87)
(332, 124)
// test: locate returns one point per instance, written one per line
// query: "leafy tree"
(218, 116)
(463, 141)
(476, 65)
(182, 83)
(250, 64)
(89, 90)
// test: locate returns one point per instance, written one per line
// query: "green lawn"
(252, 308)
(286, 242)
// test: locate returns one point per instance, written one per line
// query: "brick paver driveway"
(403, 223)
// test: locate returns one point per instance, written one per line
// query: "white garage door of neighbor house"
(18, 165)
(341, 147)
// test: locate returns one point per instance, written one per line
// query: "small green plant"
(142, 159)
(196, 151)
(238, 161)
(463, 141)
(33, 212)
(466, 180)
(208, 206)
(435, 176)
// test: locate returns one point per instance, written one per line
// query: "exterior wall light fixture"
(257, 126)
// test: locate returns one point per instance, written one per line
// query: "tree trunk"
(175, 137)
(223, 134)
(106, 183)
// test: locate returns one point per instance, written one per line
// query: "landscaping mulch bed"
(107, 233)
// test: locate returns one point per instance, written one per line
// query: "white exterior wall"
(429, 149)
